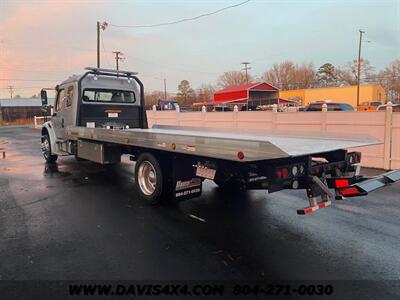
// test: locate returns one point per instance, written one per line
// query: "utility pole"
(246, 68)
(165, 89)
(359, 67)
(103, 27)
(11, 89)
(118, 57)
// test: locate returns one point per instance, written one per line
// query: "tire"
(46, 150)
(150, 180)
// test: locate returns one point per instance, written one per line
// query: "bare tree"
(288, 76)
(305, 76)
(389, 78)
(232, 78)
(205, 93)
(280, 75)
(153, 98)
(348, 74)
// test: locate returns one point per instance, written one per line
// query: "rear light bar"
(290, 171)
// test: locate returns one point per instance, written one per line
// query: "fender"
(48, 126)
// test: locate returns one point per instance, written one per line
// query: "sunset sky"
(43, 42)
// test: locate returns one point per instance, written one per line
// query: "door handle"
(62, 123)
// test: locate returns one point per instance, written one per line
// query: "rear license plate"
(205, 172)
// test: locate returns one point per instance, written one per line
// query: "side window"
(60, 100)
(70, 95)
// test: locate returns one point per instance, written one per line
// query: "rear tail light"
(290, 171)
(282, 172)
(351, 191)
(341, 183)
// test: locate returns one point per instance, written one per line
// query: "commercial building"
(346, 94)
(22, 108)
(252, 94)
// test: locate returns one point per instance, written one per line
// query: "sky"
(44, 42)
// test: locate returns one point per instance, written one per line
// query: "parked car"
(368, 105)
(396, 107)
(222, 108)
(332, 106)
(250, 108)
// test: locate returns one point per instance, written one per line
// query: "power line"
(183, 20)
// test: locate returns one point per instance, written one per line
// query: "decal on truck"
(188, 187)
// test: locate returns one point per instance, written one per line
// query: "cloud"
(35, 41)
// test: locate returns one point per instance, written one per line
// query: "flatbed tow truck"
(100, 116)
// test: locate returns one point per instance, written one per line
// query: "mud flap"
(185, 183)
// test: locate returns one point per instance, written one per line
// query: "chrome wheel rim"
(147, 178)
(46, 148)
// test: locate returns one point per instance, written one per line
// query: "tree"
(305, 76)
(327, 74)
(34, 96)
(205, 93)
(232, 78)
(185, 93)
(348, 75)
(153, 97)
(389, 78)
(289, 76)
(17, 96)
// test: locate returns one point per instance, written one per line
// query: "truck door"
(57, 120)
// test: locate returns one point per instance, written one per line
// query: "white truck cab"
(92, 101)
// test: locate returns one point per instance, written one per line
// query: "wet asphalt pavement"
(79, 220)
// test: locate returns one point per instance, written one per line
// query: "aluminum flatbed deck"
(225, 144)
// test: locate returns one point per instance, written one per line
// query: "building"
(347, 94)
(252, 94)
(21, 108)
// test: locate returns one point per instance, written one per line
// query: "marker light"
(240, 155)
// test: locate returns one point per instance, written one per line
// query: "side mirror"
(43, 96)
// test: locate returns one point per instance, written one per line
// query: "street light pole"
(359, 67)
(102, 26)
(165, 89)
(98, 44)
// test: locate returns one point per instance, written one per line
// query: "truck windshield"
(108, 96)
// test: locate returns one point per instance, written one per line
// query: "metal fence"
(384, 125)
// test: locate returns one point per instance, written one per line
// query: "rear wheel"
(46, 149)
(150, 181)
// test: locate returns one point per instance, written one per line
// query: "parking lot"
(79, 220)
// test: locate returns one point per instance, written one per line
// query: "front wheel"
(46, 150)
(149, 178)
